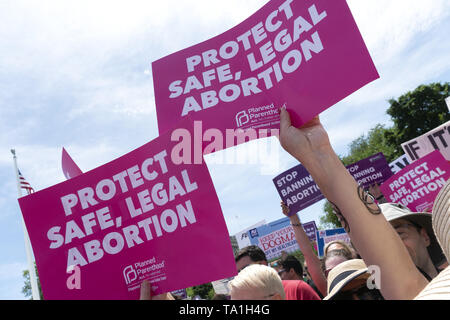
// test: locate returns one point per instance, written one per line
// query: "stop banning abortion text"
(260, 54)
(165, 188)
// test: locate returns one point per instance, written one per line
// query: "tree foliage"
(26, 289)
(367, 145)
(204, 291)
(417, 112)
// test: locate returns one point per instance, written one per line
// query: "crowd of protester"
(394, 253)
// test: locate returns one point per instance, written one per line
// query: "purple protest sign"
(298, 190)
(369, 171)
(310, 229)
(417, 185)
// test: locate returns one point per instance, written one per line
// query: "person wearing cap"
(416, 232)
(439, 287)
(348, 281)
(372, 235)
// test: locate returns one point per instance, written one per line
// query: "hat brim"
(423, 219)
(358, 274)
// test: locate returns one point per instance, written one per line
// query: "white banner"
(436, 139)
(399, 163)
(242, 236)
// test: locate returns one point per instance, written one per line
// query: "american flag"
(24, 184)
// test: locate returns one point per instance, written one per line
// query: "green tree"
(204, 291)
(367, 145)
(417, 112)
(360, 148)
(26, 289)
(329, 220)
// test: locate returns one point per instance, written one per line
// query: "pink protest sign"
(142, 216)
(417, 185)
(69, 167)
(307, 55)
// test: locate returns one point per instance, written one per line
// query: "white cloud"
(389, 26)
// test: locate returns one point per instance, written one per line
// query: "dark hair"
(363, 293)
(255, 254)
(291, 262)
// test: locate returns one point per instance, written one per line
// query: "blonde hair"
(260, 278)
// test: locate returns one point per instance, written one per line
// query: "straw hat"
(394, 211)
(441, 219)
(439, 287)
(345, 275)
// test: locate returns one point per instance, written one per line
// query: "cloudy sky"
(77, 74)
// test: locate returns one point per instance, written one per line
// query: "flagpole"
(32, 271)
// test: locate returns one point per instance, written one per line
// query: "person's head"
(348, 281)
(441, 219)
(290, 268)
(257, 282)
(334, 258)
(439, 287)
(250, 255)
(337, 245)
(416, 231)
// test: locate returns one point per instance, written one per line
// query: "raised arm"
(374, 238)
(313, 261)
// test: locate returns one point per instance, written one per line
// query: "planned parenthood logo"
(129, 274)
(242, 118)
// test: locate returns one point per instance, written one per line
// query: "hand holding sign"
(146, 293)
(299, 142)
(284, 209)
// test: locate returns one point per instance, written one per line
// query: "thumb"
(146, 293)
(285, 119)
